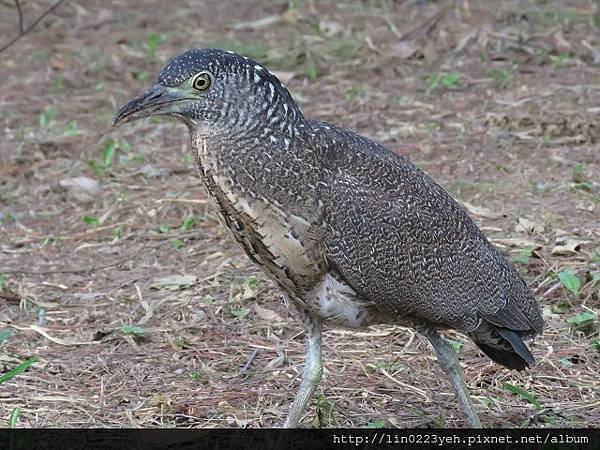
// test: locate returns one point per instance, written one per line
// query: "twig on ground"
(427, 25)
(249, 362)
(400, 383)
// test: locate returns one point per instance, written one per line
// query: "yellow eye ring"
(202, 81)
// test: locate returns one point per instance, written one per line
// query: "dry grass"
(500, 106)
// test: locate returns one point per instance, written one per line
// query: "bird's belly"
(335, 301)
(283, 235)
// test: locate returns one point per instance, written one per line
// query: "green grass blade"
(18, 370)
(529, 396)
(14, 417)
(376, 424)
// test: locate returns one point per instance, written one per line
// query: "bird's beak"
(158, 100)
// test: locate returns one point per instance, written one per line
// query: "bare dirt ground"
(141, 311)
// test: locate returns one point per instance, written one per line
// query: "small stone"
(88, 296)
(151, 171)
(404, 49)
(82, 189)
(200, 315)
(174, 282)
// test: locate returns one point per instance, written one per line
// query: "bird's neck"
(250, 164)
(254, 114)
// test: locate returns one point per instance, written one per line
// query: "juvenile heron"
(352, 233)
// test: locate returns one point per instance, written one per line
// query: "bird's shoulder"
(384, 186)
(337, 145)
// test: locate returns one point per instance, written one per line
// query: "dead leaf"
(259, 24)
(174, 282)
(284, 77)
(555, 319)
(267, 314)
(10, 296)
(403, 49)
(225, 406)
(277, 361)
(12, 169)
(529, 226)
(371, 45)
(249, 291)
(291, 16)
(480, 211)
(57, 63)
(560, 44)
(567, 247)
(517, 242)
(148, 308)
(464, 40)
(330, 28)
(56, 340)
(595, 51)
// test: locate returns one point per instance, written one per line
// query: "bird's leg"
(449, 364)
(313, 369)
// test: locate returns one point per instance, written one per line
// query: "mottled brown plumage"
(352, 233)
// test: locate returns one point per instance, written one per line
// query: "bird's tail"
(503, 345)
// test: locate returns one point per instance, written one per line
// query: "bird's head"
(215, 91)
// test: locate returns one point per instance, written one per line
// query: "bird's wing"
(402, 242)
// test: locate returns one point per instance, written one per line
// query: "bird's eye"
(202, 81)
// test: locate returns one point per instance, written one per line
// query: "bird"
(351, 232)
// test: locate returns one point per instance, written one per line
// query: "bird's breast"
(274, 238)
